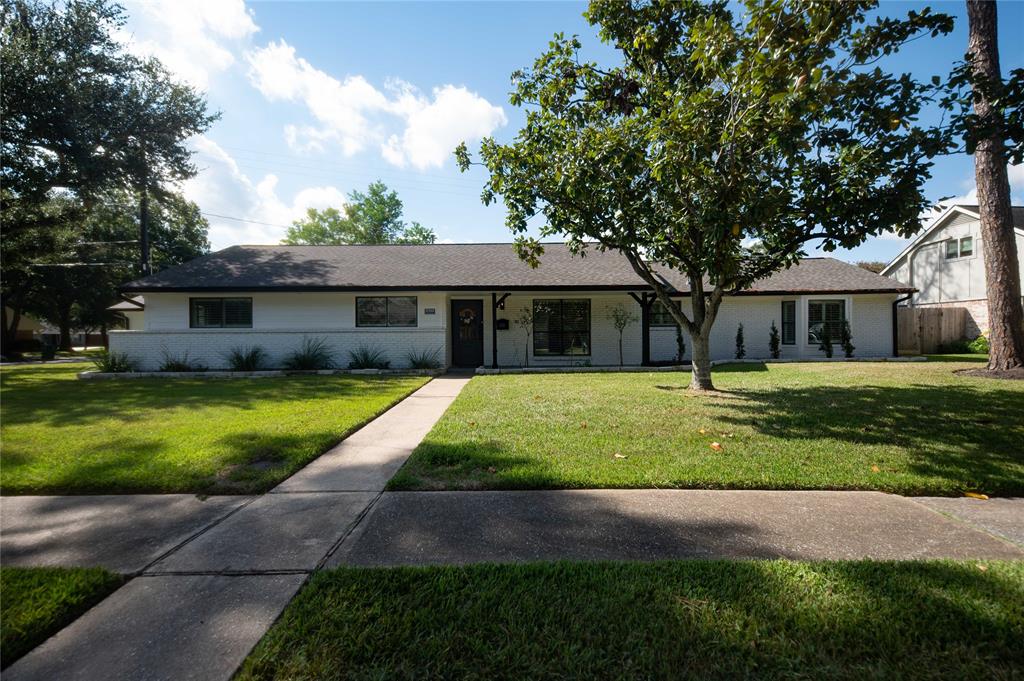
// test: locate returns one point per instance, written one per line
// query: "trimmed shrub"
(114, 363)
(741, 349)
(978, 346)
(365, 357)
(313, 354)
(246, 358)
(425, 359)
(179, 363)
(774, 343)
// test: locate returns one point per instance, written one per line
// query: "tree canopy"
(720, 145)
(373, 217)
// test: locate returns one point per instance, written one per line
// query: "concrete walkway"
(420, 528)
(213, 574)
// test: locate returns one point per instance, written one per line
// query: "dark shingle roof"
(460, 266)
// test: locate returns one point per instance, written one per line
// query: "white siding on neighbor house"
(282, 320)
(941, 280)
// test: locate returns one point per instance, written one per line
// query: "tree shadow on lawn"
(958, 432)
(470, 465)
(80, 402)
(681, 620)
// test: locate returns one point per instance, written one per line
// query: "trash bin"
(47, 347)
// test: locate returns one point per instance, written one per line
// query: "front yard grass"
(678, 620)
(65, 436)
(908, 428)
(36, 603)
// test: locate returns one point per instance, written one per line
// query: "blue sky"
(320, 98)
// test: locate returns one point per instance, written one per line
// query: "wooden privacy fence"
(923, 329)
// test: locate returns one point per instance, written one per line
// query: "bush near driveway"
(64, 436)
(909, 428)
(36, 603)
(670, 620)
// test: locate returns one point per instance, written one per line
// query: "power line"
(253, 222)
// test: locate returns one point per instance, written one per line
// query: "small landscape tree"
(741, 349)
(825, 340)
(718, 144)
(846, 340)
(525, 323)
(621, 319)
(774, 346)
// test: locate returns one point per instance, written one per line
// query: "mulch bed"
(1009, 374)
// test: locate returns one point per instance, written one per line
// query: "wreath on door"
(467, 315)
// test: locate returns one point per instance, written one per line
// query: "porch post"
(494, 329)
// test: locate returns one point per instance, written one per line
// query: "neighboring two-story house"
(945, 263)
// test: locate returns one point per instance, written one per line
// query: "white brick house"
(946, 264)
(464, 301)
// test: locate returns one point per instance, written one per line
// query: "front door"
(467, 322)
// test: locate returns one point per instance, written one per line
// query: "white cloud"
(434, 128)
(195, 39)
(411, 128)
(223, 189)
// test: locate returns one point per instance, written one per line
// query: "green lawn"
(36, 603)
(65, 436)
(696, 620)
(911, 428)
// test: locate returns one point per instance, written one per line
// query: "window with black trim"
(400, 311)
(822, 314)
(660, 316)
(561, 327)
(220, 313)
(789, 322)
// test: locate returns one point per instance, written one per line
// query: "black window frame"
(192, 322)
(387, 324)
(791, 324)
(844, 319)
(658, 309)
(559, 303)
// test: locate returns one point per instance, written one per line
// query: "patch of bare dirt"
(1008, 374)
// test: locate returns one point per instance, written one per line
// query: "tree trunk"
(104, 336)
(700, 362)
(10, 331)
(620, 349)
(1002, 273)
(64, 324)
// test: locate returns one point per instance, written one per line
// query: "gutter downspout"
(895, 324)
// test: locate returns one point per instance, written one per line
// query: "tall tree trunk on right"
(1002, 271)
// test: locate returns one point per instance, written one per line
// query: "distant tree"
(78, 277)
(621, 319)
(80, 116)
(988, 113)
(825, 340)
(774, 346)
(741, 347)
(374, 217)
(777, 125)
(875, 266)
(525, 323)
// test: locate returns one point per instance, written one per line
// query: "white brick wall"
(281, 320)
(208, 346)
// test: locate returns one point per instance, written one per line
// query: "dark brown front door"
(467, 322)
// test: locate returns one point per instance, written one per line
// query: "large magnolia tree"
(720, 145)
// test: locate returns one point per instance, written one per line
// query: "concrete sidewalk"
(420, 528)
(215, 575)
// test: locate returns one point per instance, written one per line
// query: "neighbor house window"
(220, 313)
(660, 315)
(386, 311)
(561, 327)
(822, 314)
(966, 246)
(789, 322)
(952, 249)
